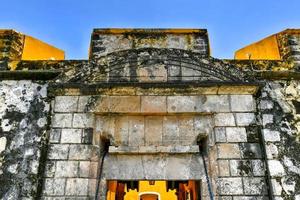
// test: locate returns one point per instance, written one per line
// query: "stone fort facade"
(150, 115)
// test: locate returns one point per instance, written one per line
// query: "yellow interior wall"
(159, 187)
(266, 49)
(35, 49)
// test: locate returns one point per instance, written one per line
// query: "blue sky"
(68, 24)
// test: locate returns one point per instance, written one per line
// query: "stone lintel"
(120, 89)
(176, 149)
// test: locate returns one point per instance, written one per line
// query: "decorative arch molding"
(155, 65)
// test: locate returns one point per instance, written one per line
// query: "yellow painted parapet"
(15, 46)
(266, 49)
(35, 49)
(274, 47)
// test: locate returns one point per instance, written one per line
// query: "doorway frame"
(142, 193)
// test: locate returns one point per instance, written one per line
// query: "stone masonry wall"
(279, 105)
(105, 41)
(24, 120)
(235, 158)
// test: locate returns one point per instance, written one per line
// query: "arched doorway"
(149, 196)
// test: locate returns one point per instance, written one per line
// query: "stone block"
(254, 186)
(58, 151)
(84, 169)
(242, 103)
(240, 168)
(50, 169)
(105, 125)
(271, 136)
(230, 186)
(271, 151)
(153, 104)
(55, 136)
(181, 104)
(153, 130)
(121, 131)
(3, 141)
(62, 121)
(125, 104)
(66, 169)
(236, 134)
(83, 103)
(258, 167)
(267, 119)
(77, 186)
(82, 120)
(224, 119)
(244, 119)
(220, 134)
(186, 130)
(213, 103)
(92, 188)
(80, 152)
(65, 104)
(170, 130)
(71, 135)
(276, 187)
(87, 136)
(266, 105)
(223, 168)
(93, 169)
(276, 169)
(99, 104)
(54, 187)
(250, 150)
(203, 125)
(228, 151)
(136, 136)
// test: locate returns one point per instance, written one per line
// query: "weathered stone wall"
(72, 160)
(155, 127)
(105, 41)
(279, 113)
(24, 116)
(11, 47)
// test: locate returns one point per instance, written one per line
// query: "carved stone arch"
(157, 65)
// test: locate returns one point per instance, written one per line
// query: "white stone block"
(242, 103)
(84, 169)
(224, 119)
(3, 141)
(272, 151)
(276, 168)
(66, 169)
(245, 119)
(266, 105)
(77, 186)
(220, 134)
(58, 151)
(54, 186)
(230, 186)
(276, 187)
(62, 120)
(236, 134)
(267, 119)
(83, 103)
(71, 135)
(82, 120)
(65, 103)
(271, 136)
(254, 186)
